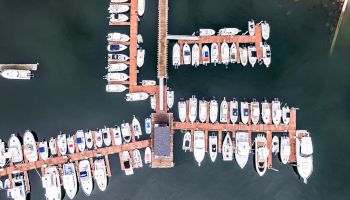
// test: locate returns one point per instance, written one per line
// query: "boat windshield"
(254, 53)
(235, 112)
(187, 143)
(79, 140)
(206, 54)
(83, 174)
(18, 184)
(187, 53)
(127, 164)
(105, 135)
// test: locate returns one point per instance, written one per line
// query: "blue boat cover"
(41, 149)
(79, 140)
(245, 111)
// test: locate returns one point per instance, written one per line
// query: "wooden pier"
(32, 67)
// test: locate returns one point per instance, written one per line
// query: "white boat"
(140, 59)
(117, 57)
(244, 112)
(118, 8)
(89, 140)
(115, 18)
(136, 127)
(3, 158)
(261, 154)
(234, 111)
(176, 55)
(15, 149)
(117, 67)
(127, 163)
(80, 140)
(195, 55)
(214, 53)
(266, 50)
(213, 150)
(186, 53)
(29, 146)
(229, 31)
(227, 148)
(265, 112)
(116, 47)
(182, 110)
(116, 76)
(242, 148)
(243, 55)
(43, 150)
(117, 37)
(117, 135)
(148, 82)
(100, 174)
(199, 146)
(225, 53)
(192, 114)
(205, 55)
(265, 30)
(18, 191)
(98, 138)
(170, 98)
(252, 56)
(136, 96)
(233, 53)
(137, 158)
(7, 184)
(1, 185)
(51, 183)
(255, 111)
(203, 109)
(17, 74)
(126, 132)
(85, 177)
(251, 27)
(223, 111)
(276, 111)
(71, 144)
(153, 101)
(139, 39)
(206, 32)
(285, 149)
(148, 156)
(275, 145)
(304, 154)
(213, 110)
(53, 146)
(69, 179)
(186, 142)
(141, 7)
(285, 114)
(107, 140)
(116, 88)
(62, 143)
(148, 125)
(119, 1)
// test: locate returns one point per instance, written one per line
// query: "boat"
(275, 145)
(127, 163)
(265, 112)
(255, 111)
(80, 140)
(285, 114)
(16, 74)
(117, 57)
(116, 47)
(98, 138)
(192, 115)
(186, 143)
(203, 110)
(117, 67)
(7, 184)
(139, 39)
(85, 177)
(148, 155)
(141, 7)
(136, 96)
(304, 154)
(3, 158)
(116, 76)
(186, 53)
(229, 31)
(125, 129)
(227, 148)
(285, 149)
(214, 50)
(276, 111)
(119, 1)
(170, 97)
(206, 32)
(107, 140)
(233, 53)
(199, 146)
(115, 88)
(205, 55)
(29, 146)
(117, 135)
(62, 143)
(118, 8)
(137, 158)
(71, 144)
(115, 18)
(242, 149)
(148, 82)
(117, 37)
(213, 110)
(244, 112)
(136, 127)
(43, 150)
(89, 140)
(265, 30)
(148, 125)
(69, 179)
(223, 111)
(100, 174)
(252, 55)
(234, 111)
(15, 149)
(18, 191)
(261, 154)
(1, 185)
(182, 110)
(176, 55)
(140, 59)
(195, 55)
(251, 27)
(243, 55)
(153, 101)
(225, 53)
(266, 50)
(51, 183)
(213, 143)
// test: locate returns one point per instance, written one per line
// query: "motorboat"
(199, 146)
(182, 110)
(304, 154)
(141, 4)
(148, 156)
(1, 185)
(233, 53)
(261, 154)
(192, 114)
(119, 1)
(214, 53)
(85, 177)
(17, 74)
(116, 57)
(116, 47)
(205, 55)
(225, 53)
(148, 125)
(229, 31)
(116, 18)
(98, 138)
(126, 132)
(118, 8)
(100, 174)
(176, 55)
(117, 67)
(153, 101)
(107, 140)
(140, 59)
(186, 143)
(243, 55)
(213, 110)
(18, 190)
(15, 149)
(265, 30)
(170, 98)
(203, 109)
(3, 158)
(244, 112)
(234, 111)
(186, 53)
(223, 111)
(43, 150)
(213, 150)
(62, 143)
(285, 149)
(117, 37)
(276, 111)
(116, 76)
(136, 127)
(7, 184)
(51, 183)
(136, 96)
(80, 140)
(227, 148)
(116, 88)
(148, 82)
(242, 148)
(266, 50)
(275, 145)
(127, 163)
(69, 179)
(265, 112)
(195, 55)
(252, 56)
(251, 27)
(139, 39)
(137, 158)
(255, 111)
(29, 146)
(117, 135)
(71, 144)
(89, 140)
(285, 114)
(206, 32)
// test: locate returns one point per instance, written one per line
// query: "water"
(67, 38)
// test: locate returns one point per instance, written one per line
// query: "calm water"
(67, 38)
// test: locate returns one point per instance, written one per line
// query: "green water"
(67, 38)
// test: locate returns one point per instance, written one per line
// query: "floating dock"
(32, 67)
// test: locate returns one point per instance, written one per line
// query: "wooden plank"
(108, 166)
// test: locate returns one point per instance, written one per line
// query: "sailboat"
(70, 183)
(214, 50)
(176, 55)
(251, 27)
(186, 143)
(285, 149)
(223, 111)
(98, 138)
(137, 158)
(107, 140)
(148, 125)
(141, 4)
(206, 32)
(136, 127)
(233, 53)
(140, 60)
(71, 144)
(213, 110)
(213, 143)
(117, 135)
(252, 56)
(195, 55)
(243, 55)
(205, 55)
(3, 158)
(304, 154)
(186, 54)
(80, 140)
(244, 112)
(242, 148)
(29, 146)
(182, 110)
(126, 132)
(276, 111)
(261, 154)
(100, 174)
(275, 145)
(199, 146)
(203, 110)
(127, 163)
(234, 111)
(52, 183)
(285, 114)
(227, 148)
(18, 190)
(255, 111)
(15, 149)
(266, 50)
(148, 155)
(89, 140)
(117, 67)
(265, 30)
(225, 53)
(170, 98)
(192, 115)
(265, 112)
(43, 150)
(85, 177)
(117, 37)
(62, 143)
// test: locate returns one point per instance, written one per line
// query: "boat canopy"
(306, 146)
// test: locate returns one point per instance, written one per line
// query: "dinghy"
(148, 82)
(148, 125)
(118, 8)
(116, 76)
(176, 55)
(242, 149)
(223, 111)
(29, 146)
(203, 110)
(116, 47)
(107, 140)
(140, 60)
(252, 56)
(62, 143)
(206, 32)
(126, 132)
(261, 154)
(285, 114)
(195, 55)
(117, 37)
(182, 110)
(266, 54)
(136, 96)
(229, 31)
(80, 140)
(148, 156)
(117, 57)
(192, 115)
(137, 158)
(141, 4)
(243, 55)
(186, 54)
(213, 151)
(3, 158)
(275, 145)
(227, 148)
(117, 67)
(251, 27)
(70, 183)
(265, 30)
(153, 101)
(276, 111)
(15, 149)
(116, 18)
(89, 140)
(284, 149)
(234, 111)
(205, 55)
(225, 53)
(186, 143)
(100, 174)
(304, 154)
(51, 183)
(127, 163)
(170, 96)
(71, 144)
(213, 110)
(139, 39)
(43, 150)
(199, 146)
(85, 177)
(255, 111)
(214, 50)
(136, 127)
(233, 53)
(117, 135)
(244, 112)
(265, 112)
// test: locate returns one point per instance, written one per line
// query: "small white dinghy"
(266, 54)
(186, 54)
(276, 111)
(136, 127)
(205, 55)
(195, 55)
(206, 32)
(62, 143)
(137, 158)
(182, 110)
(275, 145)
(244, 111)
(285, 114)
(116, 47)
(116, 76)
(261, 154)
(3, 158)
(1, 185)
(117, 67)
(136, 96)
(148, 156)
(213, 143)
(100, 174)
(284, 149)
(117, 57)
(213, 110)
(170, 98)
(176, 55)
(43, 150)
(265, 112)
(227, 148)
(203, 110)
(80, 140)
(127, 163)
(225, 53)
(17, 74)
(139, 39)
(115, 18)
(252, 56)
(140, 60)
(70, 183)
(251, 27)
(186, 143)
(148, 82)
(29, 146)
(153, 101)
(89, 140)
(265, 30)
(199, 146)
(52, 183)
(141, 4)
(117, 37)
(192, 115)
(117, 135)
(255, 111)
(234, 111)
(233, 53)
(71, 144)
(116, 88)
(229, 31)
(243, 55)
(304, 154)
(242, 148)
(214, 50)
(118, 8)
(223, 111)
(126, 132)
(85, 177)
(148, 125)
(107, 140)
(15, 149)
(53, 146)
(98, 138)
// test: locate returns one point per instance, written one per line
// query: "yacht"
(206, 32)
(261, 154)
(199, 146)
(80, 140)
(251, 27)
(117, 67)
(195, 55)
(186, 143)
(43, 150)
(136, 127)
(276, 111)
(69, 179)
(275, 145)
(148, 82)
(170, 96)
(266, 50)
(227, 148)
(139, 39)
(205, 55)
(265, 112)
(252, 56)
(203, 110)
(233, 53)
(304, 154)
(148, 125)
(223, 111)
(127, 163)
(255, 111)
(234, 111)
(85, 177)
(136, 96)
(285, 114)
(117, 37)
(140, 60)
(148, 155)
(213, 143)
(117, 135)
(62, 143)
(213, 110)
(18, 74)
(107, 140)
(153, 101)
(116, 18)
(176, 55)
(186, 54)
(214, 50)
(116, 47)
(29, 146)
(118, 8)
(116, 76)
(229, 31)
(242, 148)
(265, 30)
(141, 4)
(182, 110)
(52, 184)
(71, 144)
(18, 191)
(285, 149)
(98, 138)
(89, 140)
(3, 158)
(225, 53)
(137, 158)
(243, 55)
(117, 57)
(192, 115)
(244, 112)
(100, 174)
(15, 149)
(125, 129)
